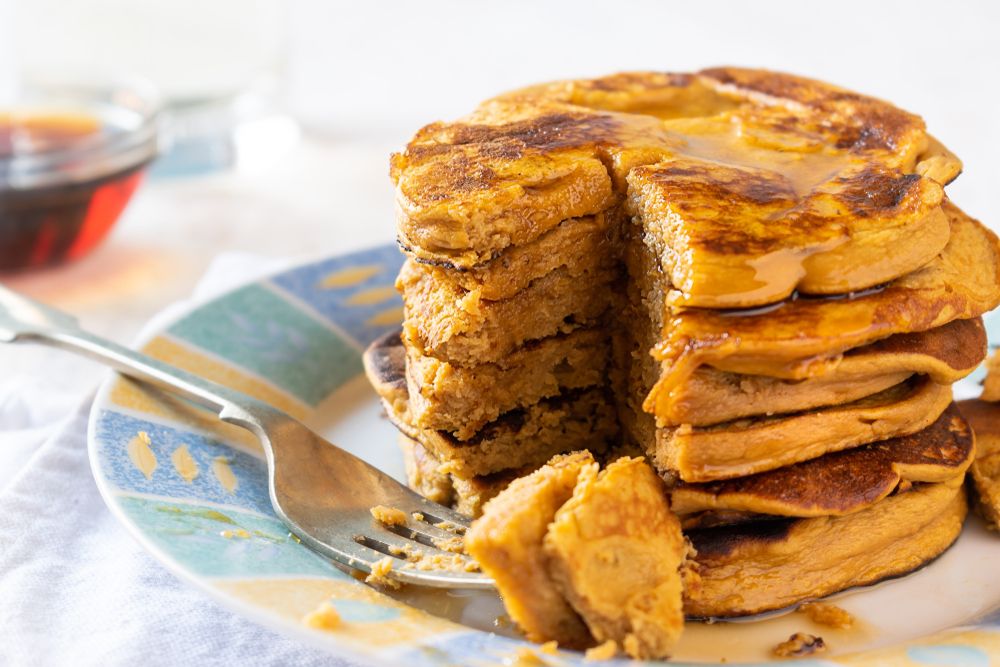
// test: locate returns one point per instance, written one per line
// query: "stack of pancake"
(754, 279)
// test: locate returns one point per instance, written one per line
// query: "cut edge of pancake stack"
(753, 279)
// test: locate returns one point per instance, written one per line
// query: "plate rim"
(286, 627)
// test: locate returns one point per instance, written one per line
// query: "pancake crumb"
(800, 644)
(605, 651)
(454, 544)
(379, 575)
(826, 614)
(417, 516)
(323, 617)
(525, 657)
(550, 648)
(389, 516)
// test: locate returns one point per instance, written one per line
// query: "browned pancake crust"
(842, 482)
(741, 236)
(770, 565)
(804, 337)
(526, 161)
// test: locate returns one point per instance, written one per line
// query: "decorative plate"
(192, 491)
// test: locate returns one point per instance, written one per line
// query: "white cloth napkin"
(75, 588)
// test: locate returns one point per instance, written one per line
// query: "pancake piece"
(526, 437)
(771, 565)
(463, 399)
(507, 543)
(984, 416)
(615, 551)
(423, 473)
(945, 354)
(843, 482)
(526, 161)
(805, 337)
(748, 446)
(447, 322)
(704, 221)
(991, 384)
(578, 245)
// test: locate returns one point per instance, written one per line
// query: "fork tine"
(389, 543)
(432, 512)
(409, 553)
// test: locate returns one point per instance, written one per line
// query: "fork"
(323, 494)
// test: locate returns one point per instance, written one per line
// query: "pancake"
(467, 495)
(806, 337)
(771, 565)
(578, 244)
(842, 482)
(616, 551)
(526, 161)
(945, 354)
(424, 475)
(508, 543)
(580, 419)
(703, 220)
(984, 474)
(522, 163)
(991, 383)
(451, 324)
(462, 399)
(753, 445)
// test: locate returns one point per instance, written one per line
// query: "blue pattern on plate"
(359, 611)
(275, 339)
(948, 656)
(334, 303)
(224, 543)
(115, 430)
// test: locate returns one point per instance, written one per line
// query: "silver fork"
(322, 493)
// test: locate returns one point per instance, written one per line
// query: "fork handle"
(230, 405)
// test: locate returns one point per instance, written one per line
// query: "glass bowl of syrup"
(71, 156)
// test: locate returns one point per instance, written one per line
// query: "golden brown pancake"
(805, 337)
(945, 354)
(752, 445)
(615, 551)
(991, 384)
(578, 419)
(524, 162)
(739, 236)
(424, 475)
(464, 494)
(770, 565)
(578, 245)
(445, 321)
(507, 542)
(984, 474)
(463, 399)
(842, 482)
